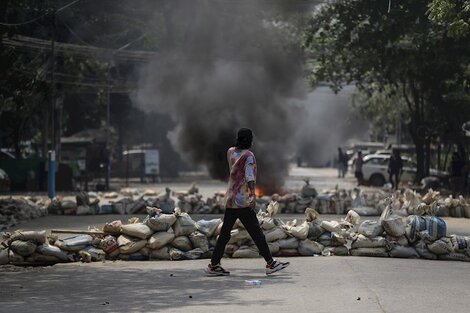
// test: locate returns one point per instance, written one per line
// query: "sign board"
(152, 162)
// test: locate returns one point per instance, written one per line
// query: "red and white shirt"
(242, 164)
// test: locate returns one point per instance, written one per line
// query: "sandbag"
(393, 226)
(300, 232)
(423, 251)
(245, 252)
(113, 228)
(314, 230)
(414, 225)
(160, 254)
(144, 251)
(46, 249)
(309, 247)
(288, 252)
(467, 210)
(34, 236)
(136, 256)
(366, 211)
(193, 254)
(4, 259)
(230, 249)
(275, 234)
(460, 244)
(370, 229)
(331, 226)
(74, 243)
(95, 253)
(364, 242)
(288, 243)
(396, 241)
(404, 252)
(160, 222)
(85, 210)
(138, 230)
(158, 240)
(184, 225)
(441, 246)
(454, 256)
(199, 240)
(182, 243)
(42, 259)
(110, 246)
(176, 254)
(311, 215)
(23, 248)
(370, 252)
(267, 223)
(329, 239)
(129, 245)
(237, 235)
(338, 251)
(15, 257)
(273, 208)
(353, 217)
(209, 227)
(274, 248)
(435, 229)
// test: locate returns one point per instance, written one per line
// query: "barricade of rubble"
(176, 236)
(15, 210)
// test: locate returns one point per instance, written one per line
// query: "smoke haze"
(232, 68)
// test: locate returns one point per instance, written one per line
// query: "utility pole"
(51, 168)
(53, 87)
(108, 125)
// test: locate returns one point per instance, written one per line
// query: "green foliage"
(454, 14)
(399, 55)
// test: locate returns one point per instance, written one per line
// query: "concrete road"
(310, 284)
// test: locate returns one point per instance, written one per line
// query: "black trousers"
(248, 218)
(397, 179)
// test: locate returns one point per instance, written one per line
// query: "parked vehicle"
(375, 169)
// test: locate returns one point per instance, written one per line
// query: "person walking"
(395, 168)
(357, 164)
(240, 203)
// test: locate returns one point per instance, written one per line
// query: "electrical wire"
(39, 17)
(24, 23)
(75, 34)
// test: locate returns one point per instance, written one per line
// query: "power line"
(39, 17)
(24, 23)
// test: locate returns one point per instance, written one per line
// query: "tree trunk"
(419, 146)
(427, 161)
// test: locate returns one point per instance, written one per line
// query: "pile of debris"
(15, 210)
(416, 236)
(177, 236)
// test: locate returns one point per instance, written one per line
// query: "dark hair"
(244, 138)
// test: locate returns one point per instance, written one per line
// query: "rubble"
(15, 210)
(176, 236)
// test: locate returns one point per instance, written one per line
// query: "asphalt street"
(310, 284)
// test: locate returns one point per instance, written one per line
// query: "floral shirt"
(242, 165)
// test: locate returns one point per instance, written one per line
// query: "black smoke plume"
(226, 65)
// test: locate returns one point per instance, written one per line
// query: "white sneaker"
(275, 267)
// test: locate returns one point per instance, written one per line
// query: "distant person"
(357, 164)
(342, 163)
(240, 203)
(395, 168)
(457, 166)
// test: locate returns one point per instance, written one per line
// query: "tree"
(398, 52)
(454, 14)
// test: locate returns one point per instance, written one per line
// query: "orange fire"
(258, 192)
